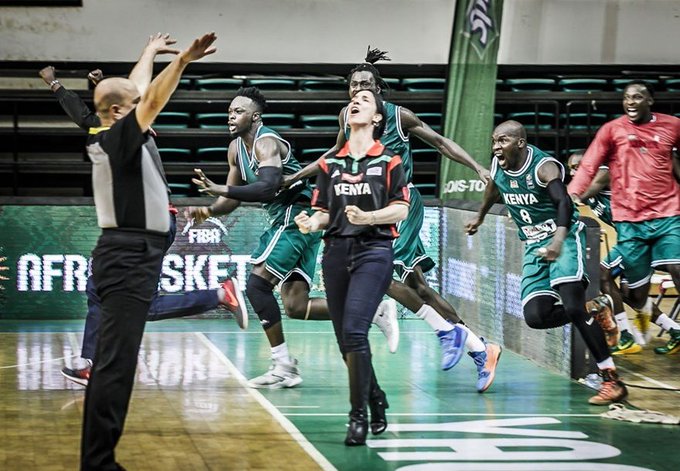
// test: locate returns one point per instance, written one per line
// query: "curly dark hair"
(254, 94)
(372, 56)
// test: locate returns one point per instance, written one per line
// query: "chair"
(530, 84)
(498, 118)
(672, 84)
(620, 83)
(583, 120)
(175, 154)
(434, 120)
(185, 84)
(172, 120)
(319, 121)
(582, 84)
(393, 83)
(272, 83)
(336, 84)
(209, 84)
(212, 154)
(424, 84)
(212, 120)
(541, 120)
(278, 120)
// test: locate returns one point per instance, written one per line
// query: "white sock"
(622, 321)
(666, 323)
(433, 318)
(472, 343)
(607, 364)
(280, 352)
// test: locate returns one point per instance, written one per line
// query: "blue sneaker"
(452, 342)
(486, 362)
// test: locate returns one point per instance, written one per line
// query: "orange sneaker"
(611, 390)
(234, 302)
(601, 309)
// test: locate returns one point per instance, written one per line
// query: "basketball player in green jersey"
(258, 157)
(530, 184)
(410, 260)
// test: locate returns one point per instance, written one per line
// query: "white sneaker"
(280, 375)
(386, 320)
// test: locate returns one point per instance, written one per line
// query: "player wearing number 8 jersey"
(530, 183)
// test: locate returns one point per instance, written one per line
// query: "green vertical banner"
(471, 93)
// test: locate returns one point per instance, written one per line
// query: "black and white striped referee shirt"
(130, 189)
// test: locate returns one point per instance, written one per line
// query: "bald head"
(511, 128)
(115, 97)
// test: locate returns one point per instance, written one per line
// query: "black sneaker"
(80, 376)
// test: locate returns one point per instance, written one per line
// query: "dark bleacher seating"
(538, 120)
(44, 153)
(211, 84)
(582, 84)
(212, 154)
(338, 84)
(212, 120)
(672, 84)
(430, 84)
(530, 84)
(620, 83)
(272, 83)
(326, 121)
(172, 120)
(279, 120)
(583, 120)
(175, 154)
(434, 120)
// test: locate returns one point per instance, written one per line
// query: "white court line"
(437, 414)
(268, 406)
(649, 380)
(297, 407)
(49, 360)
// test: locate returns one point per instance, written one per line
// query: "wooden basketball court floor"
(191, 409)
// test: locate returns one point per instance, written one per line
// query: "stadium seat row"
(429, 84)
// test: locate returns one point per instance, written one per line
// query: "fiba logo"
(205, 235)
(480, 25)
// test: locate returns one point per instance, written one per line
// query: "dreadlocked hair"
(372, 56)
(375, 55)
(254, 94)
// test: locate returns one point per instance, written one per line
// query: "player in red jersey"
(638, 148)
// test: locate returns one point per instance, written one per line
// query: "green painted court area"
(530, 419)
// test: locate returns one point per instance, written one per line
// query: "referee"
(361, 193)
(131, 201)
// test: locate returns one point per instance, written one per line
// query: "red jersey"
(640, 163)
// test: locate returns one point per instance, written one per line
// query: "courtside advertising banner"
(470, 94)
(45, 256)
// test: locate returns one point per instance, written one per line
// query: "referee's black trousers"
(126, 266)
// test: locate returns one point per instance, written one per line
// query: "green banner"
(471, 93)
(45, 256)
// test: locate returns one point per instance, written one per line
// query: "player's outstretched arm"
(163, 86)
(491, 197)
(445, 146)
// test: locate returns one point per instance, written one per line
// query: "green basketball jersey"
(393, 137)
(527, 198)
(249, 165)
